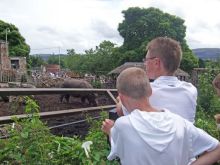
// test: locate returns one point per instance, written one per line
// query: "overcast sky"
(84, 24)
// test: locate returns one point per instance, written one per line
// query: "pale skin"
(131, 104)
(107, 125)
(154, 69)
(208, 158)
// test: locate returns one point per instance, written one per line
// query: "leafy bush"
(205, 120)
(96, 84)
(207, 98)
(208, 104)
(30, 142)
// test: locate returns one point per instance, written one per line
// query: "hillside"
(207, 53)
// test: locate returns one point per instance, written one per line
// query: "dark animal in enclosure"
(4, 98)
(75, 83)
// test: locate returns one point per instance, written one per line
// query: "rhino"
(78, 83)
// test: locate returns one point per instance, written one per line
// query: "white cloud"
(83, 24)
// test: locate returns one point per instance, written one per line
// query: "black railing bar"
(4, 137)
(7, 119)
(48, 91)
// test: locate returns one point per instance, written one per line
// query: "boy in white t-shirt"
(154, 136)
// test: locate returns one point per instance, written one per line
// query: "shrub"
(30, 142)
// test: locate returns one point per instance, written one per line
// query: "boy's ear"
(121, 96)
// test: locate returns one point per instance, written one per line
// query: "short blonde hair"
(133, 82)
(168, 50)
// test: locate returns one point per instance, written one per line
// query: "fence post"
(0, 76)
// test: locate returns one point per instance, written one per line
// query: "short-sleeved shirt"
(157, 138)
(178, 96)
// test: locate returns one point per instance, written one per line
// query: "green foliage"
(36, 61)
(75, 62)
(29, 139)
(100, 148)
(201, 63)
(208, 104)
(17, 44)
(96, 84)
(71, 52)
(205, 120)
(213, 64)
(30, 142)
(207, 95)
(189, 61)
(98, 61)
(55, 59)
(143, 24)
(104, 56)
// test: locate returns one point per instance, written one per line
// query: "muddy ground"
(50, 103)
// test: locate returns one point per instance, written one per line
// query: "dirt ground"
(50, 103)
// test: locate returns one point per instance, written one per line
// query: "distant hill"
(207, 53)
(46, 56)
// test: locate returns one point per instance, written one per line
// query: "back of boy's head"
(133, 82)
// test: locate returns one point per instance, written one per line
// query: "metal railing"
(7, 76)
(49, 91)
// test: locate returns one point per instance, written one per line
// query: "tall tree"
(104, 56)
(17, 44)
(55, 59)
(142, 25)
(101, 60)
(71, 52)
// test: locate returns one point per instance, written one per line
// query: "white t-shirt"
(157, 138)
(177, 96)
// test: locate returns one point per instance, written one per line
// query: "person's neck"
(163, 74)
(143, 105)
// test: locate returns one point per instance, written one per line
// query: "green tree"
(189, 61)
(17, 44)
(71, 51)
(142, 25)
(54, 59)
(101, 60)
(36, 61)
(74, 62)
(201, 63)
(138, 28)
(105, 57)
(211, 64)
